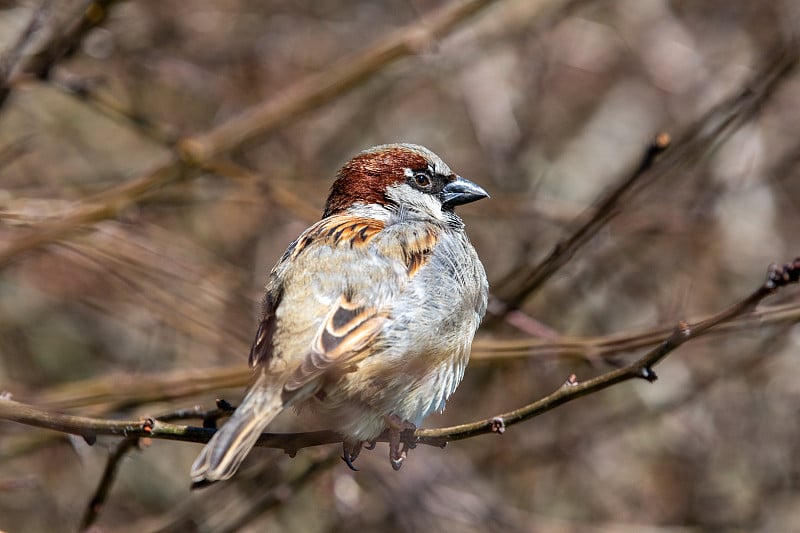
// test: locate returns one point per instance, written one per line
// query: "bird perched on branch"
(369, 316)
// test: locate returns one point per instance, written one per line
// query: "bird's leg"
(350, 453)
(396, 427)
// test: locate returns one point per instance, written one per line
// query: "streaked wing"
(353, 321)
(261, 349)
(336, 231)
(342, 340)
(332, 231)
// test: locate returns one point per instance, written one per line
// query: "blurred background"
(137, 230)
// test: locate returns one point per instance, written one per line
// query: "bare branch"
(563, 251)
(197, 151)
(702, 137)
(100, 496)
(117, 391)
(572, 389)
(777, 277)
(63, 45)
(10, 58)
(314, 91)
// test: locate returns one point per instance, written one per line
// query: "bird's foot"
(398, 454)
(350, 453)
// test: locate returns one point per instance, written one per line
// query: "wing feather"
(350, 326)
(342, 340)
(263, 345)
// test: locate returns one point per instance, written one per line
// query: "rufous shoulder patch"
(337, 231)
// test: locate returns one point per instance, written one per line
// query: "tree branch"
(63, 44)
(89, 428)
(9, 59)
(777, 277)
(195, 152)
(702, 137)
(114, 392)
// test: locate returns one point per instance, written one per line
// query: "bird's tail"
(226, 450)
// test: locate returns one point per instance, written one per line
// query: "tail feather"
(229, 446)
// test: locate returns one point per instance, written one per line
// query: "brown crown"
(365, 178)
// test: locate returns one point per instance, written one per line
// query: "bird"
(369, 315)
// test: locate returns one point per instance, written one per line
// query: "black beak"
(460, 192)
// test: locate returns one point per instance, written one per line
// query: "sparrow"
(369, 315)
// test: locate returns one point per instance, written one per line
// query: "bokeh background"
(133, 259)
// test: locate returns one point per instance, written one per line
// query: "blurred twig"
(280, 194)
(777, 277)
(89, 428)
(608, 346)
(107, 481)
(195, 152)
(9, 59)
(114, 392)
(631, 415)
(258, 491)
(315, 90)
(526, 280)
(126, 445)
(63, 44)
(13, 150)
(87, 91)
(698, 140)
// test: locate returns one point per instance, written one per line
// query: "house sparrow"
(369, 316)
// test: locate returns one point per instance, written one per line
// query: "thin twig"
(62, 45)
(309, 93)
(86, 91)
(115, 392)
(14, 149)
(103, 489)
(700, 139)
(342, 76)
(107, 481)
(777, 277)
(607, 208)
(9, 60)
(89, 428)
(610, 346)
(614, 423)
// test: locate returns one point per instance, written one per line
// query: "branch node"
(194, 152)
(571, 381)
(683, 328)
(498, 425)
(148, 424)
(662, 140)
(648, 374)
(779, 276)
(225, 405)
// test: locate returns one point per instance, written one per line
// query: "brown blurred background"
(117, 304)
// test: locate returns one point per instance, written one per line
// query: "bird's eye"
(422, 180)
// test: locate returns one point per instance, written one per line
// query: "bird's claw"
(350, 453)
(398, 454)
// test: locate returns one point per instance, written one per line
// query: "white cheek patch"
(411, 200)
